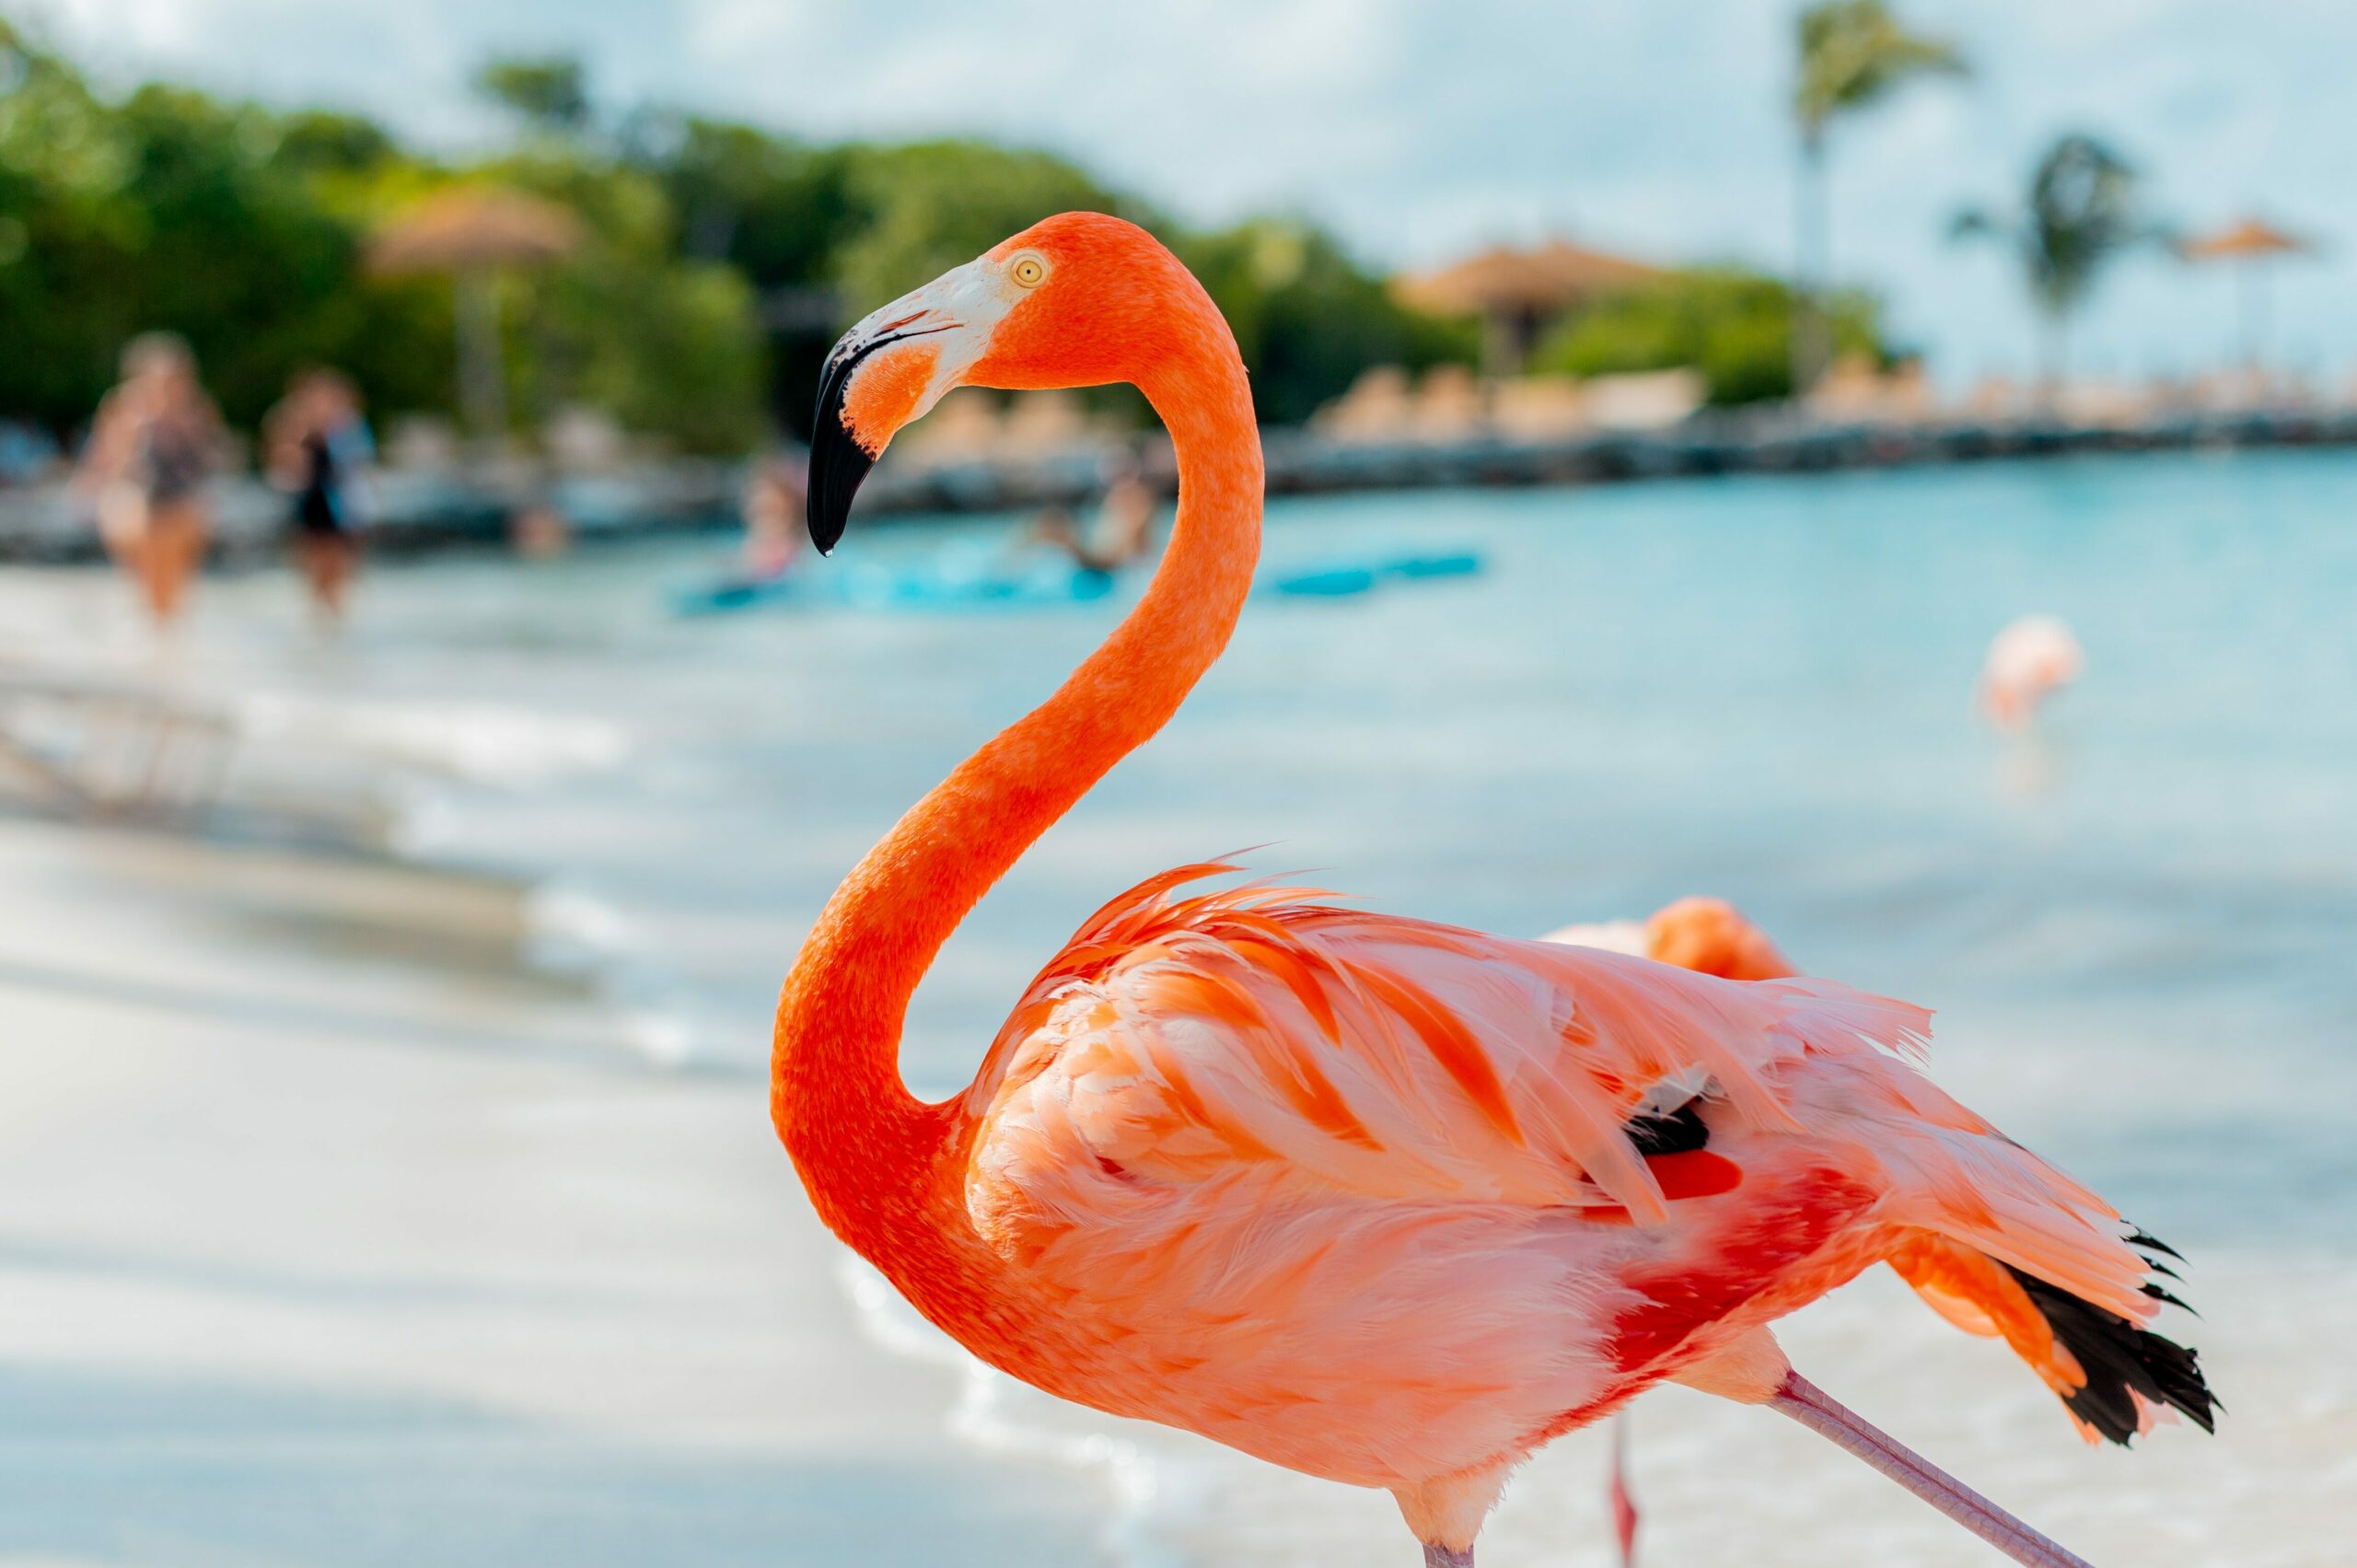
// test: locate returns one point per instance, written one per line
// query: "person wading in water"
(319, 453)
(154, 444)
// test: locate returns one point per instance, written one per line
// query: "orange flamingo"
(1385, 1201)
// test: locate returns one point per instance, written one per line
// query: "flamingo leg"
(1814, 1409)
(1442, 1556)
(1624, 1507)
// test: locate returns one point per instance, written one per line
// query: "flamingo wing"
(1183, 1038)
(1236, 1148)
(1386, 1057)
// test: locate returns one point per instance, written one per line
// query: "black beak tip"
(837, 465)
(825, 532)
(837, 462)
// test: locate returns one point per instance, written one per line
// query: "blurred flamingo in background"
(1708, 936)
(2027, 662)
(1385, 1201)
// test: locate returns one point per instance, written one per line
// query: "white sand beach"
(311, 1255)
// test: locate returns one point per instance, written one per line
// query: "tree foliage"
(718, 263)
(1736, 327)
(549, 94)
(2082, 212)
(244, 230)
(1853, 52)
(866, 223)
(170, 209)
(776, 209)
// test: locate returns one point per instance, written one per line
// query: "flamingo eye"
(1028, 270)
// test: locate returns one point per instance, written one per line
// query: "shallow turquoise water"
(1757, 688)
(2135, 928)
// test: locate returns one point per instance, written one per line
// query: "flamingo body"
(1243, 1149)
(1379, 1200)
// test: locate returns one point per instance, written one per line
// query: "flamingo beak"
(882, 373)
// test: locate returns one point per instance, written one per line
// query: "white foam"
(480, 742)
(664, 1039)
(575, 931)
(573, 928)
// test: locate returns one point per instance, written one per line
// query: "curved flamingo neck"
(861, 1141)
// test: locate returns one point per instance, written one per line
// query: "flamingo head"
(1076, 300)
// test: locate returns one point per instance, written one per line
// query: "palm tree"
(1853, 54)
(2082, 214)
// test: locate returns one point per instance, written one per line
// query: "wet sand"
(313, 1254)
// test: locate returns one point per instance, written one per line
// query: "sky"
(1420, 131)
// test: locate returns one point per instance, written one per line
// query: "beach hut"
(471, 232)
(1519, 294)
(2252, 247)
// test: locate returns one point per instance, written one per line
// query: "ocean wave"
(478, 742)
(668, 1039)
(572, 928)
(575, 931)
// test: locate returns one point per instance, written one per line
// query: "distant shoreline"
(424, 513)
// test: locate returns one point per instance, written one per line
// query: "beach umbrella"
(1515, 292)
(471, 232)
(2250, 245)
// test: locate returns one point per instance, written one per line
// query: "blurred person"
(1056, 527)
(538, 532)
(1124, 530)
(319, 452)
(773, 524)
(155, 445)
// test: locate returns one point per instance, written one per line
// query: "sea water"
(2134, 924)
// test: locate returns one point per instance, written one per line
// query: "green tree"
(1734, 326)
(62, 308)
(1853, 54)
(243, 231)
(665, 345)
(548, 94)
(322, 141)
(777, 211)
(775, 208)
(2082, 212)
(709, 248)
(169, 210)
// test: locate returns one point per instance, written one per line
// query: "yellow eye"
(1028, 271)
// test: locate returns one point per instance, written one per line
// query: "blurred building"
(1520, 294)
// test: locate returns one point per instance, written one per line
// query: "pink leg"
(1809, 1405)
(1624, 1507)
(1442, 1556)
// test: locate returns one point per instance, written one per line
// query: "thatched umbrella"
(469, 232)
(2250, 245)
(1517, 292)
